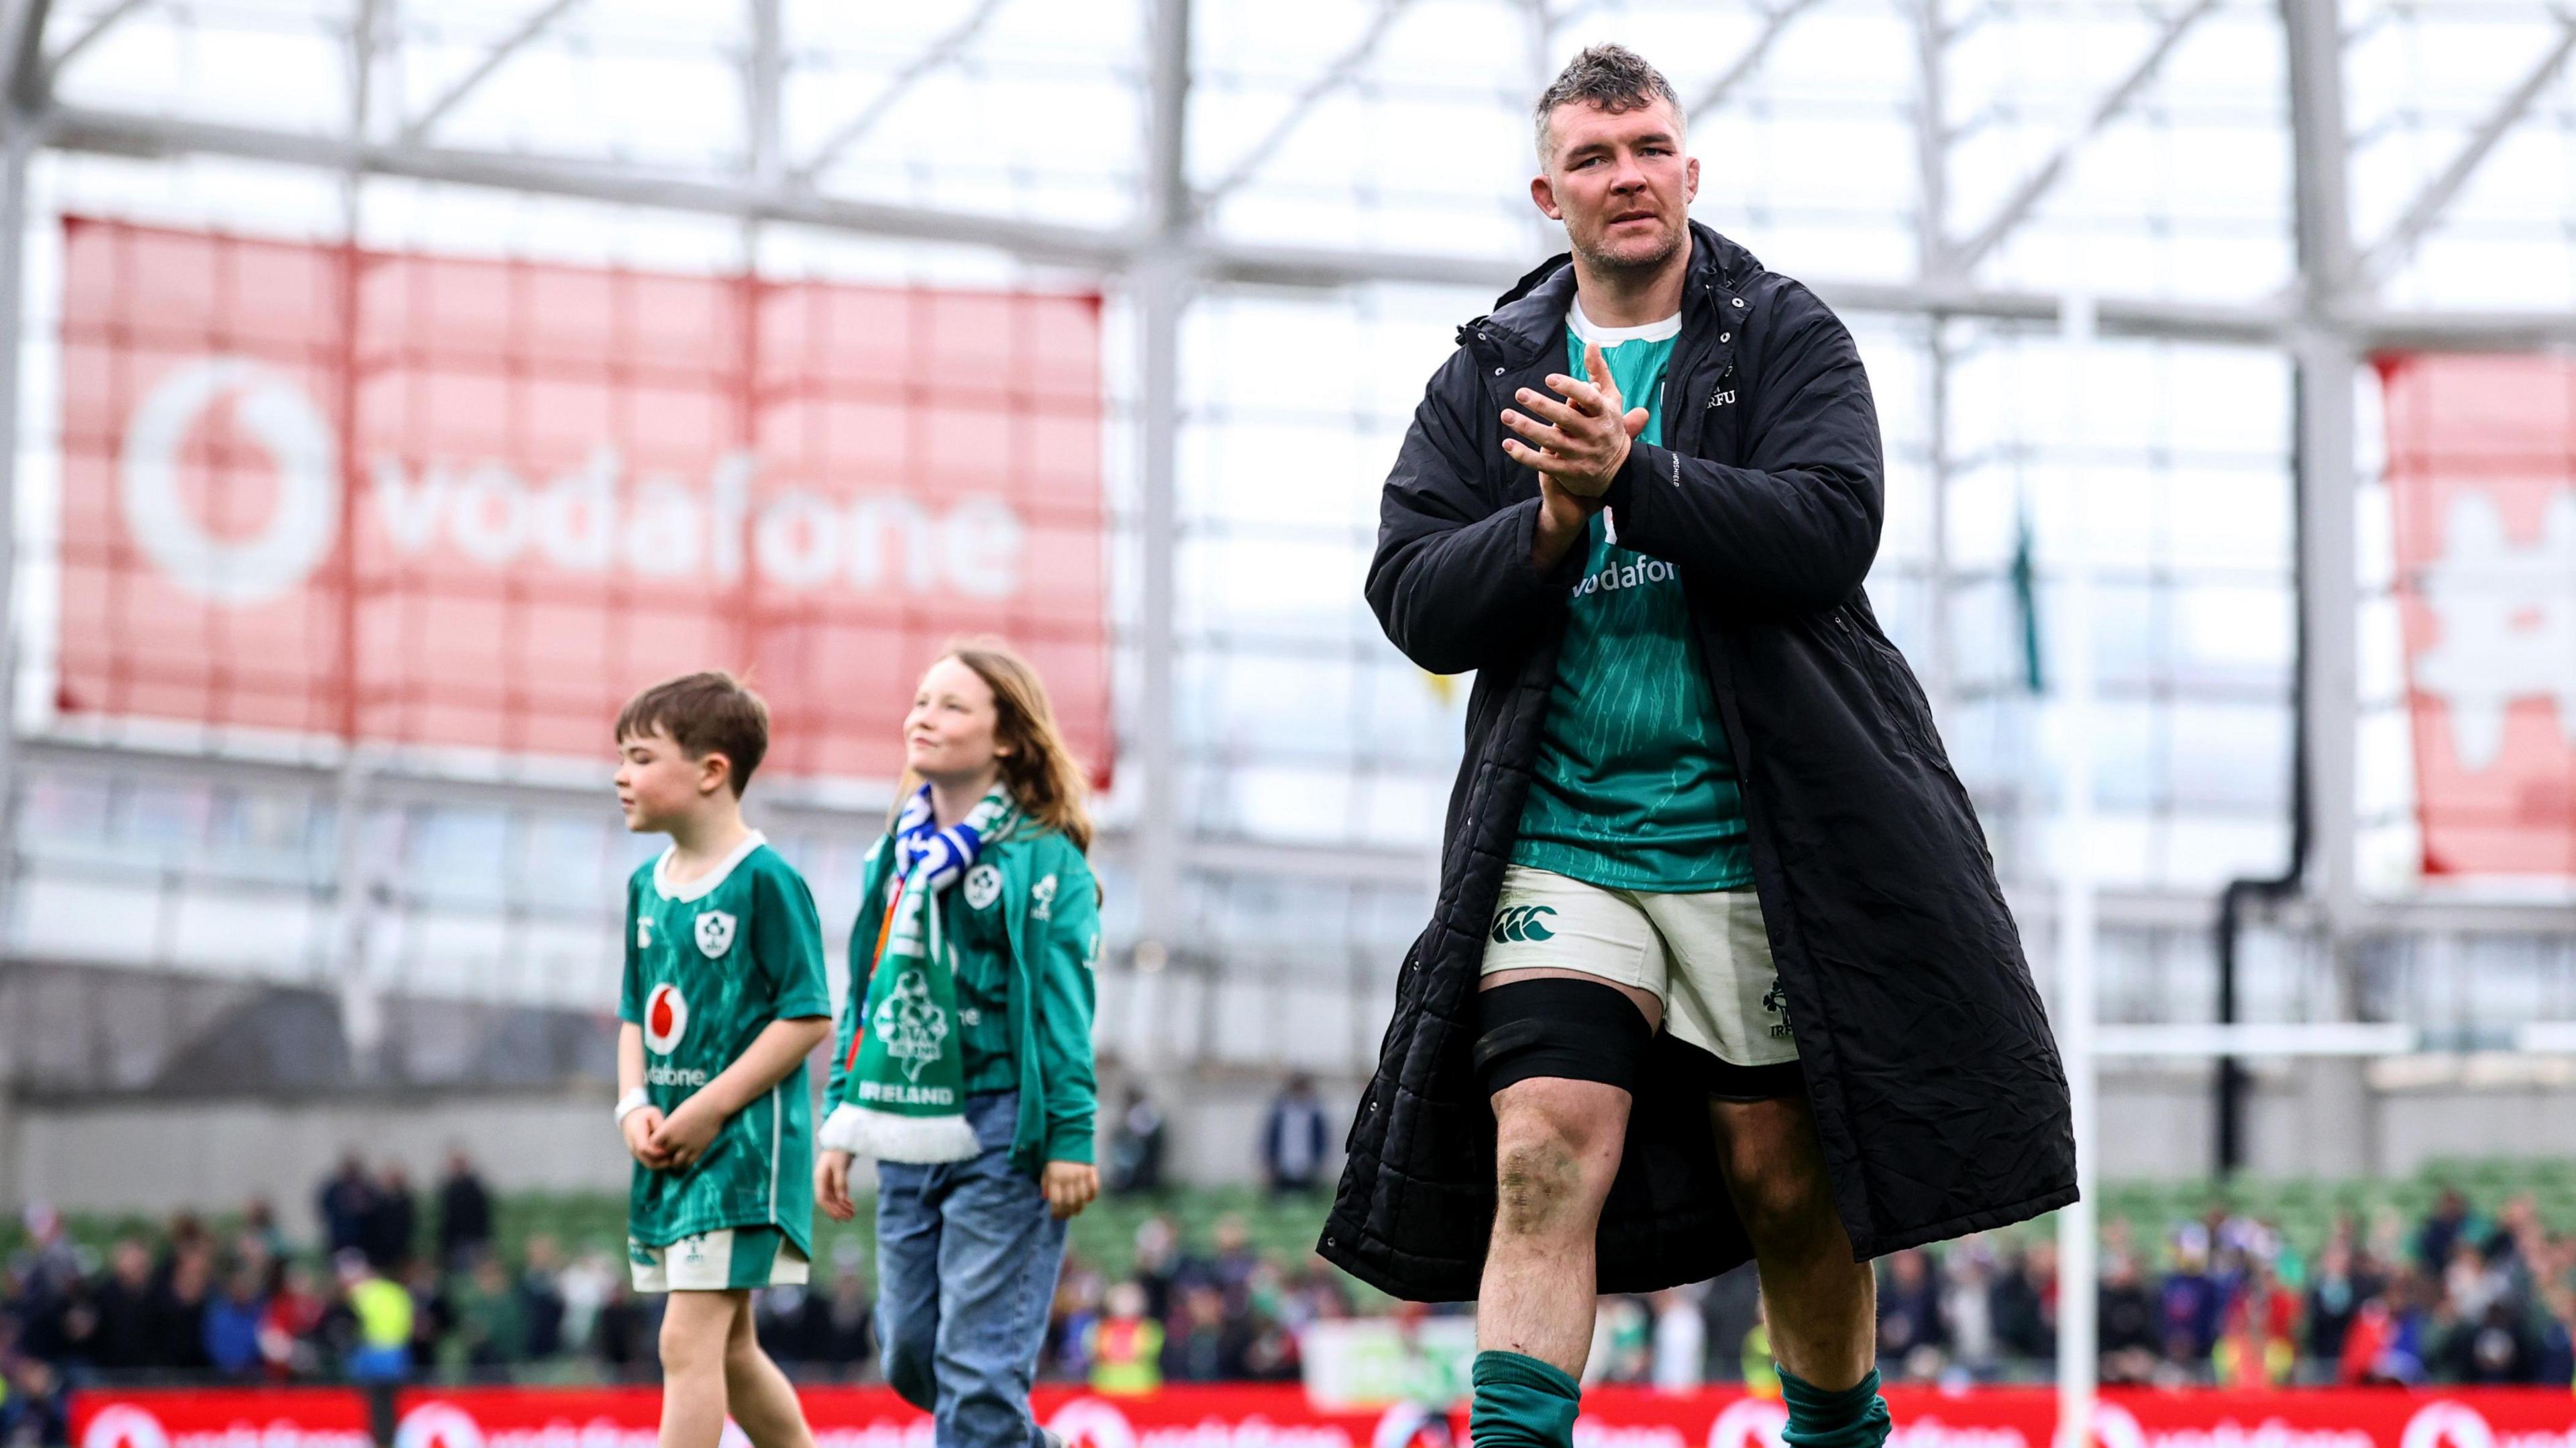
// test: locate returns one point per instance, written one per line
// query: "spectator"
(433, 1312)
(1079, 1291)
(122, 1338)
(2191, 1302)
(1621, 1342)
(1681, 1342)
(623, 1333)
(1234, 1263)
(2365, 1345)
(343, 1204)
(491, 1328)
(2554, 1349)
(2260, 1343)
(2126, 1321)
(2402, 1353)
(850, 1338)
(183, 1289)
(48, 1310)
(1125, 1347)
(382, 1313)
(2471, 1283)
(2335, 1296)
(541, 1300)
(1270, 1347)
(33, 1410)
(2023, 1302)
(1292, 1138)
(1319, 1292)
(792, 1323)
(2492, 1348)
(48, 1267)
(260, 1231)
(232, 1323)
(1729, 1309)
(1911, 1336)
(392, 1220)
(1204, 1345)
(585, 1287)
(291, 1324)
(1159, 1265)
(2442, 1230)
(464, 1214)
(1136, 1145)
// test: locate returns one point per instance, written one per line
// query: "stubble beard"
(1605, 262)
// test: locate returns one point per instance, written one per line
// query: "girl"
(964, 1064)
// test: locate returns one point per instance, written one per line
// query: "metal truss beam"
(2425, 210)
(25, 40)
(1095, 250)
(941, 53)
(70, 50)
(417, 129)
(1344, 69)
(764, 90)
(1774, 22)
(1963, 258)
(1161, 283)
(1931, 112)
(116, 133)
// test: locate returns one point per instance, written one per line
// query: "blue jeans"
(967, 1256)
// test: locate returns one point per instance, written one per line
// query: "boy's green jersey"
(709, 965)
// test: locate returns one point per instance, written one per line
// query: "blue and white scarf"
(905, 1098)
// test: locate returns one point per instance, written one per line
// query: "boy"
(724, 999)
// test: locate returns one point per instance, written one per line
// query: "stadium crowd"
(390, 1292)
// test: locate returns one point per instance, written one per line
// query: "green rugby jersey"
(709, 965)
(1633, 788)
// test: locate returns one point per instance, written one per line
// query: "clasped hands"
(1577, 445)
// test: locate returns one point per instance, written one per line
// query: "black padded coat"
(1935, 1080)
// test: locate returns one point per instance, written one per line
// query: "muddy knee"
(1538, 1182)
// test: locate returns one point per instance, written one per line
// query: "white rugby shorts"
(1705, 956)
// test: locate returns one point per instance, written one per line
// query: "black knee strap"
(1576, 1030)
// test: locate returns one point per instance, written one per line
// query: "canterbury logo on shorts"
(1521, 922)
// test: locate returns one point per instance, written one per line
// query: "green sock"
(1521, 1403)
(1856, 1417)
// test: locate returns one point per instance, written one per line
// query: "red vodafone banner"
(1280, 1417)
(473, 505)
(2482, 474)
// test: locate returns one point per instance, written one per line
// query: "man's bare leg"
(1556, 1147)
(1821, 1305)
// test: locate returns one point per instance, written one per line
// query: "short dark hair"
(705, 713)
(1612, 77)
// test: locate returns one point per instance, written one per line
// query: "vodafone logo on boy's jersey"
(666, 1018)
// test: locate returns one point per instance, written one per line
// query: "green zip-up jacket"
(1052, 914)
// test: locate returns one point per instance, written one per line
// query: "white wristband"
(630, 1103)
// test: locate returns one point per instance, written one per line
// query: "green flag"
(2025, 586)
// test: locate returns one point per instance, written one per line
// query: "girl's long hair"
(1039, 771)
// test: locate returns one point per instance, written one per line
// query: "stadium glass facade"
(1288, 210)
